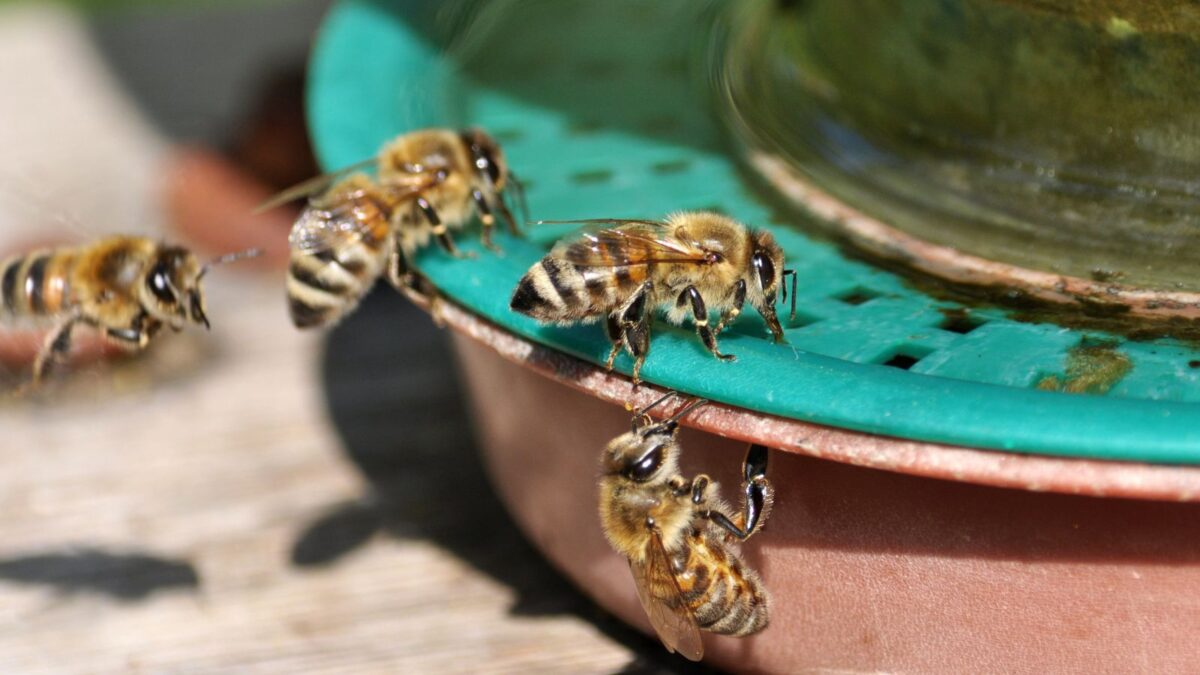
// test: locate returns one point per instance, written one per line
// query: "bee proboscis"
(691, 263)
(677, 534)
(126, 287)
(355, 227)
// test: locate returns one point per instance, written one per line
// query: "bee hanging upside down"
(126, 287)
(676, 535)
(355, 227)
(691, 263)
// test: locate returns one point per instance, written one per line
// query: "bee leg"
(612, 328)
(637, 341)
(399, 273)
(635, 329)
(421, 291)
(413, 286)
(759, 496)
(137, 335)
(699, 488)
(488, 220)
(439, 228)
(54, 350)
(624, 330)
(700, 318)
(402, 277)
(126, 337)
(502, 207)
(739, 300)
(768, 315)
(758, 491)
(679, 486)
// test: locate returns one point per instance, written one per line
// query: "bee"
(126, 287)
(692, 263)
(676, 534)
(356, 227)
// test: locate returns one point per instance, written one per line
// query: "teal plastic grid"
(597, 111)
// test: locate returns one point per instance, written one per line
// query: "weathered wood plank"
(269, 509)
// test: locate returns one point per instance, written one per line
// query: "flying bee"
(677, 535)
(355, 227)
(126, 287)
(692, 263)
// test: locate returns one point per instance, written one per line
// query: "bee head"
(766, 279)
(487, 157)
(649, 453)
(171, 288)
(647, 456)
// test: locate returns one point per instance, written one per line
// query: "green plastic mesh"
(599, 110)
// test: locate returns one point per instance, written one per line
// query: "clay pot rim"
(1035, 473)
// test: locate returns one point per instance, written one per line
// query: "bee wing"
(663, 601)
(603, 221)
(323, 230)
(312, 186)
(642, 243)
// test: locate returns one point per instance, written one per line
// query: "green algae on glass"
(1059, 135)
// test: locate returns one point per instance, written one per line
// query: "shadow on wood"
(124, 576)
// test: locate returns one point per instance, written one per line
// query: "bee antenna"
(671, 423)
(520, 190)
(785, 274)
(642, 416)
(696, 403)
(229, 258)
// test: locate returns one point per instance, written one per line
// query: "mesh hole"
(857, 296)
(961, 322)
(592, 177)
(906, 357)
(677, 166)
(902, 361)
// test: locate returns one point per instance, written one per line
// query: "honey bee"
(428, 183)
(676, 535)
(126, 287)
(692, 263)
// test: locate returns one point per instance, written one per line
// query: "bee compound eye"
(160, 284)
(765, 269)
(647, 465)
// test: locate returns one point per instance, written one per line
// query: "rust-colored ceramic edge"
(984, 467)
(949, 263)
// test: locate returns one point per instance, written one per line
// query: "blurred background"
(252, 499)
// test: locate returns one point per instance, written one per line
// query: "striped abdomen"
(556, 290)
(724, 596)
(36, 284)
(330, 272)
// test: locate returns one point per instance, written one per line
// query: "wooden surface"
(253, 500)
(264, 501)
